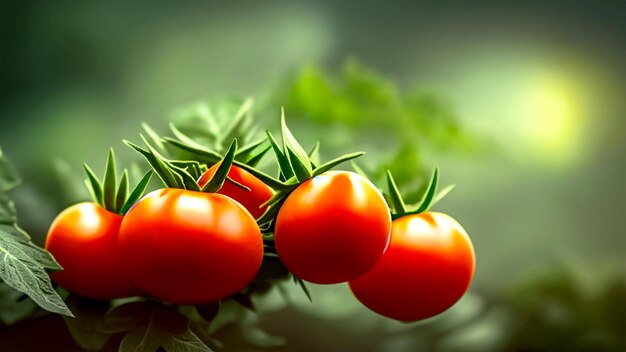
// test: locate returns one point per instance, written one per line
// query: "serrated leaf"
(298, 158)
(85, 327)
(8, 176)
(396, 198)
(122, 192)
(330, 164)
(96, 187)
(43, 257)
(285, 169)
(109, 183)
(12, 307)
(426, 201)
(20, 270)
(8, 215)
(136, 193)
(164, 327)
(217, 181)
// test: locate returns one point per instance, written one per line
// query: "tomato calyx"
(116, 199)
(398, 207)
(184, 174)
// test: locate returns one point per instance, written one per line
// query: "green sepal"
(273, 183)
(286, 172)
(441, 194)
(217, 181)
(256, 158)
(122, 192)
(247, 152)
(359, 170)
(154, 137)
(240, 185)
(314, 155)
(169, 178)
(236, 123)
(109, 183)
(302, 285)
(429, 195)
(329, 165)
(298, 158)
(396, 198)
(96, 186)
(205, 155)
(137, 192)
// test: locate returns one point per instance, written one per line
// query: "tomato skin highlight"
(83, 239)
(189, 247)
(427, 268)
(252, 200)
(332, 228)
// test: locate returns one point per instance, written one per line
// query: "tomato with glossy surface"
(83, 239)
(332, 228)
(427, 268)
(188, 247)
(252, 200)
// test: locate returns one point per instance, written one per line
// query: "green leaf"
(217, 181)
(298, 158)
(85, 327)
(239, 121)
(122, 192)
(190, 143)
(157, 326)
(136, 193)
(246, 152)
(396, 198)
(109, 183)
(13, 308)
(96, 187)
(21, 269)
(426, 201)
(8, 215)
(330, 164)
(283, 161)
(8, 176)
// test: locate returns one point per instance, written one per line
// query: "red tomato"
(83, 239)
(332, 228)
(251, 200)
(427, 268)
(190, 247)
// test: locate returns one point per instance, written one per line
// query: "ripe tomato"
(259, 192)
(427, 268)
(332, 228)
(83, 239)
(190, 247)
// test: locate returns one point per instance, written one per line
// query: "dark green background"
(541, 84)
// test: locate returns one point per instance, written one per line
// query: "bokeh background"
(521, 105)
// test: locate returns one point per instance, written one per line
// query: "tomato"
(332, 228)
(258, 194)
(190, 247)
(83, 239)
(427, 268)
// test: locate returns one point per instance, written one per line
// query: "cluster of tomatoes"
(190, 246)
